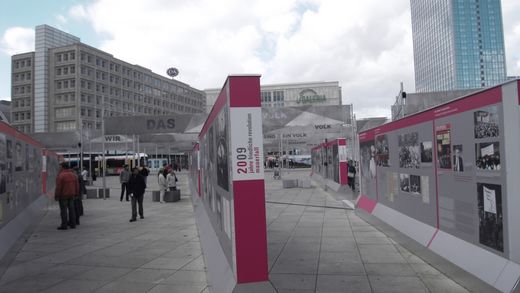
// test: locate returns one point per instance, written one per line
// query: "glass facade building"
(458, 44)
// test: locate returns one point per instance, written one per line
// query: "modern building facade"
(458, 44)
(291, 94)
(65, 85)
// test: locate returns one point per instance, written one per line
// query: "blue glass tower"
(458, 44)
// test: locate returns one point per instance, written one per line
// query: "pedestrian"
(145, 172)
(137, 188)
(78, 200)
(171, 180)
(351, 175)
(84, 174)
(163, 186)
(67, 187)
(124, 177)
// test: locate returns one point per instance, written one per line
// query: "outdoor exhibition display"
(27, 171)
(448, 178)
(228, 177)
(299, 129)
(329, 164)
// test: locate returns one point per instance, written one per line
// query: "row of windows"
(22, 63)
(26, 128)
(65, 98)
(65, 56)
(21, 102)
(24, 89)
(65, 70)
(24, 76)
(275, 96)
(65, 84)
(65, 125)
(21, 116)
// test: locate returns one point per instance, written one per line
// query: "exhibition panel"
(228, 176)
(329, 163)
(439, 177)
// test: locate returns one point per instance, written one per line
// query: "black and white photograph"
(404, 182)
(443, 135)
(409, 151)
(487, 156)
(426, 152)
(382, 151)
(222, 150)
(458, 158)
(425, 189)
(490, 215)
(391, 185)
(368, 161)
(486, 123)
(415, 184)
(19, 159)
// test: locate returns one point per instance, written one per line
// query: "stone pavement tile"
(64, 271)
(126, 261)
(187, 278)
(24, 256)
(196, 265)
(350, 268)
(296, 266)
(169, 288)
(389, 269)
(147, 276)
(397, 284)
(438, 284)
(102, 274)
(342, 284)
(76, 286)
(125, 287)
(59, 257)
(338, 245)
(23, 271)
(371, 253)
(373, 240)
(293, 282)
(168, 263)
(30, 285)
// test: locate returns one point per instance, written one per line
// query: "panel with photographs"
(382, 151)
(368, 170)
(409, 150)
(490, 216)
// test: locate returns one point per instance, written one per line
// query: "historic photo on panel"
(409, 152)
(490, 215)
(222, 150)
(486, 123)
(487, 156)
(382, 150)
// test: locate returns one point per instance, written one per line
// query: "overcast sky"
(365, 45)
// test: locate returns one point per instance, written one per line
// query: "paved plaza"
(316, 244)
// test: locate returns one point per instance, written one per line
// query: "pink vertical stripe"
(250, 231)
(343, 168)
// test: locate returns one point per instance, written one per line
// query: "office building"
(291, 94)
(458, 44)
(65, 85)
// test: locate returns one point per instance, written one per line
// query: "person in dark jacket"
(351, 175)
(67, 188)
(124, 177)
(78, 200)
(137, 187)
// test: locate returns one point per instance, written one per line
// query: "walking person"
(78, 200)
(163, 186)
(124, 177)
(171, 180)
(351, 175)
(67, 187)
(137, 188)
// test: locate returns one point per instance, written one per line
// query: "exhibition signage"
(446, 187)
(229, 160)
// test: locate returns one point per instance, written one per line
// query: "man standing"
(351, 173)
(137, 187)
(458, 163)
(124, 177)
(67, 188)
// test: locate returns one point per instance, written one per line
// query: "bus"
(115, 163)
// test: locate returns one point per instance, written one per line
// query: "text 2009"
(241, 161)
